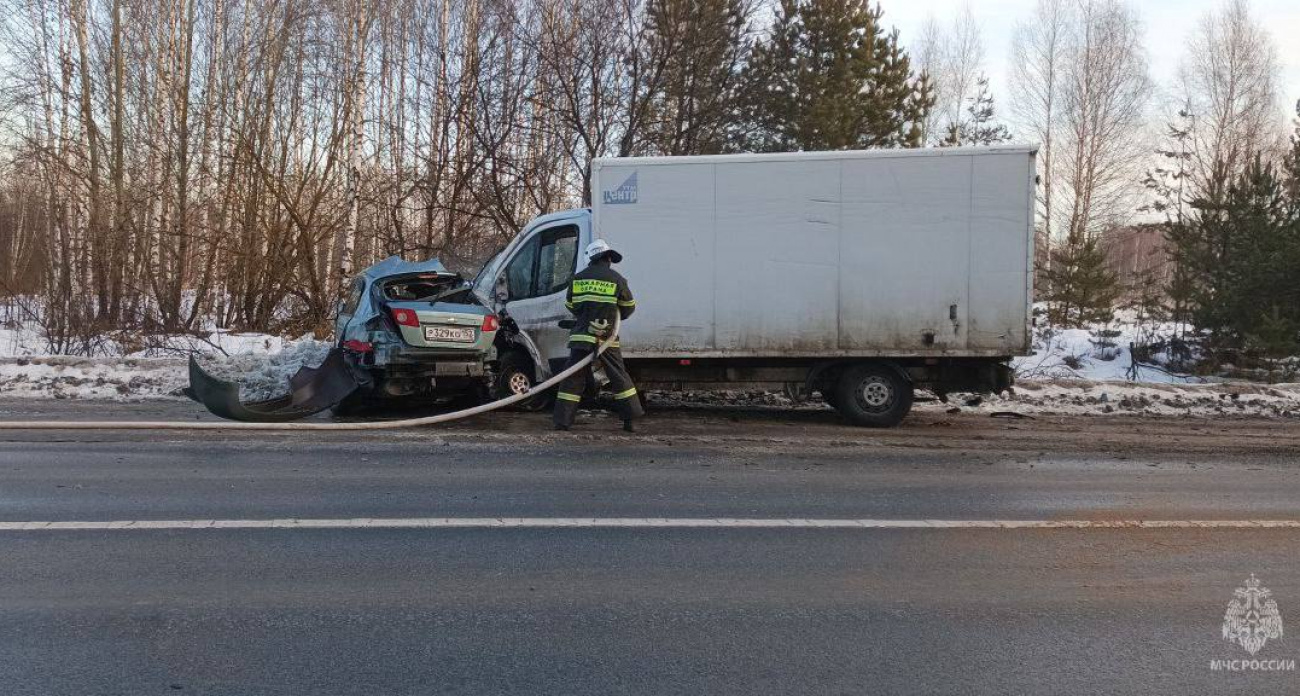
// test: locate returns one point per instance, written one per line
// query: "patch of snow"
(68, 377)
(1089, 397)
(20, 339)
(1099, 353)
(263, 376)
(21, 335)
(260, 374)
(1055, 397)
(217, 341)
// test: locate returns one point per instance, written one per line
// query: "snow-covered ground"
(1093, 354)
(24, 340)
(1070, 372)
(261, 364)
(1061, 397)
(147, 366)
(1088, 397)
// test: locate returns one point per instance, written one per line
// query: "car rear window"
(419, 288)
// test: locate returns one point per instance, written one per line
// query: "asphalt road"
(645, 610)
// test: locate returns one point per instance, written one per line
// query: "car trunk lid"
(441, 325)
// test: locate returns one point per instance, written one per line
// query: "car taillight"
(490, 323)
(357, 346)
(405, 317)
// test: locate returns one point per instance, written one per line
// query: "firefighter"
(595, 294)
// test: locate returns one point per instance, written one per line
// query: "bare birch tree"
(1229, 79)
(1105, 90)
(1038, 54)
(1105, 93)
(952, 56)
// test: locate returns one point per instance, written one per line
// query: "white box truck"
(857, 275)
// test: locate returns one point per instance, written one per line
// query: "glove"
(598, 327)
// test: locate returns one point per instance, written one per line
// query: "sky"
(1167, 23)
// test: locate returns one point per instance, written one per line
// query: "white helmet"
(600, 247)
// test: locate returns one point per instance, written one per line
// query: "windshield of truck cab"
(487, 275)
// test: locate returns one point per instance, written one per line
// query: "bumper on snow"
(311, 390)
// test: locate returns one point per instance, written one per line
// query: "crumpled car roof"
(396, 265)
(388, 268)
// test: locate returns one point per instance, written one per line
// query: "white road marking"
(630, 522)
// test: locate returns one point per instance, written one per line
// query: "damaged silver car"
(407, 332)
(414, 330)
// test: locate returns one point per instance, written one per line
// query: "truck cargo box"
(870, 253)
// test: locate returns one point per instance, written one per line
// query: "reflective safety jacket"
(595, 294)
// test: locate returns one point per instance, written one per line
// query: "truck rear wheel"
(875, 396)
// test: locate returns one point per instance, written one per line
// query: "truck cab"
(527, 281)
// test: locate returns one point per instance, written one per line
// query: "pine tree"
(1083, 289)
(831, 78)
(979, 126)
(702, 45)
(1275, 335)
(1261, 295)
(1244, 252)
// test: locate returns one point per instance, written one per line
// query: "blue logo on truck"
(625, 194)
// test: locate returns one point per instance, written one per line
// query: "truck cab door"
(534, 282)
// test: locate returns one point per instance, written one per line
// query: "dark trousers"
(572, 388)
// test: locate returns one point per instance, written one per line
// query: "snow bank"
(261, 373)
(24, 340)
(20, 339)
(145, 366)
(1099, 353)
(1088, 397)
(1055, 397)
(63, 377)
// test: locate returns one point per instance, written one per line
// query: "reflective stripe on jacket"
(594, 295)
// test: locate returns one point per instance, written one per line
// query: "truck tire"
(515, 375)
(873, 395)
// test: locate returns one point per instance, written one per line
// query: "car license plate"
(449, 333)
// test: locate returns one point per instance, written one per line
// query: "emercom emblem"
(1252, 618)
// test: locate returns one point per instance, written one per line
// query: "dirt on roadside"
(1117, 435)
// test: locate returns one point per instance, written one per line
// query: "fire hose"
(369, 425)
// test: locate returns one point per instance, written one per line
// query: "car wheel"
(515, 376)
(873, 395)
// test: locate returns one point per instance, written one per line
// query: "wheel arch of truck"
(835, 366)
